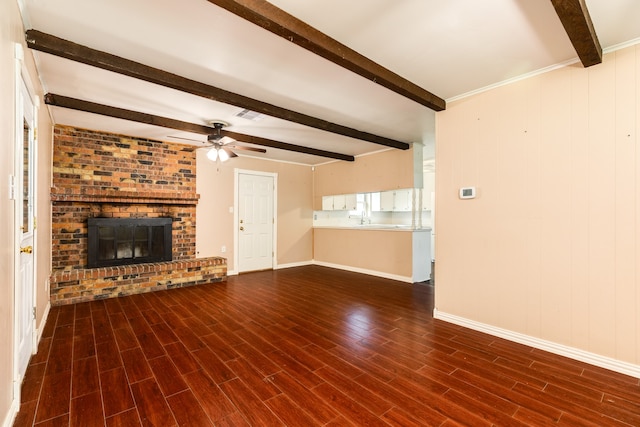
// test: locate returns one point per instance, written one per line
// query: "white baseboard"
(339, 267)
(40, 330)
(365, 271)
(550, 346)
(293, 264)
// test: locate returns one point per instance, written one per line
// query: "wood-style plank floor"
(307, 346)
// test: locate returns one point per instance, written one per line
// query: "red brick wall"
(97, 174)
(69, 287)
(86, 161)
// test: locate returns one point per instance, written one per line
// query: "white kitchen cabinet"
(340, 202)
(327, 203)
(351, 202)
(393, 201)
(403, 200)
(387, 201)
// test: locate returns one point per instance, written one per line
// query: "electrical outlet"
(223, 249)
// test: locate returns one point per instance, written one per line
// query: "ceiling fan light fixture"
(223, 155)
(213, 154)
(217, 153)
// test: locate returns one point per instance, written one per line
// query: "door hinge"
(34, 313)
(34, 223)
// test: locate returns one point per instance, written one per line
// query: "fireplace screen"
(119, 241)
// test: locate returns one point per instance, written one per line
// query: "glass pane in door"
(26, 227)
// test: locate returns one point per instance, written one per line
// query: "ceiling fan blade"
(217, 139)
(229, 152)
(240, 147)
(186, 139)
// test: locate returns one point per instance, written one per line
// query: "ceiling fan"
(221, 147)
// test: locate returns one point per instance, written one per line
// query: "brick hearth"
(98, 174)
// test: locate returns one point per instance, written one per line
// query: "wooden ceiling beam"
(150, 119)
(279, 22)
(576, 21)
(66, 49)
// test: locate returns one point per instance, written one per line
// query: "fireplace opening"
(122, 241)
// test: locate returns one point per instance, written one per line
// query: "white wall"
(550, 248)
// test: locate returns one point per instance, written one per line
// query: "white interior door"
(255, 222)
(25, 225)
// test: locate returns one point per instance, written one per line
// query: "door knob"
(26, 250)
(241, 228)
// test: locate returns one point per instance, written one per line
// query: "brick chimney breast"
(98, 174)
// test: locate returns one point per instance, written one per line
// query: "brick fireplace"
(102, 175)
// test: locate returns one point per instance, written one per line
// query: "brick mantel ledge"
(93, 273)
(88, 284)
(123, 196)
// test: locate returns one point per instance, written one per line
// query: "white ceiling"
(449, 48)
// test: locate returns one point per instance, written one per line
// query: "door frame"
(236, 235)
(22, 78)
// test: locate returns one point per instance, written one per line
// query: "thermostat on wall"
(467, 192)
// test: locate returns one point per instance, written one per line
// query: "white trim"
(540, 71)
(18, 135)
(23, 84)
(622, 45)
(40, 330)
(552, 347)
(293, 264)
(35, 101)
(18, 53)
(365, 271)
(513, 80)
(236, 189)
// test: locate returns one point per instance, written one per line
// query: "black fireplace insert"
(121, 241)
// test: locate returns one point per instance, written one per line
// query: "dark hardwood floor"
(308, 346)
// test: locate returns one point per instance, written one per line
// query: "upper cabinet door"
(339, 202)
(327, 203)
(351, 202)
(387, 201)
(403, 200)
